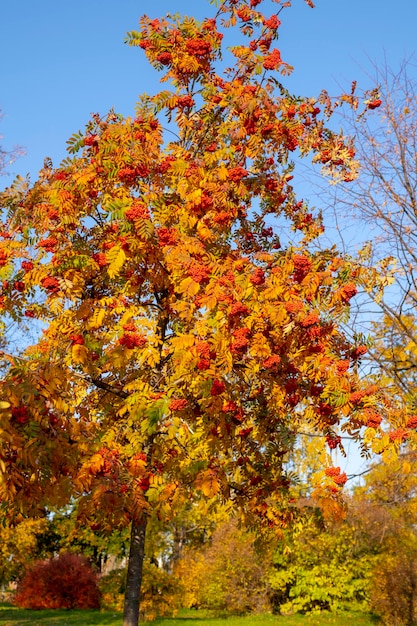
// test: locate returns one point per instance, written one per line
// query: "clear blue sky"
(60, 61)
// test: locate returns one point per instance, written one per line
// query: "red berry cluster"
(272, 60)
(302, 266)
(132, 340)
(217, 387)
(20, 414)
(339, 477)
(50, 284)
(178, 405)
(240, 340)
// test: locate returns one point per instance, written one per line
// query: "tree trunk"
(413, 602)
(134, 573)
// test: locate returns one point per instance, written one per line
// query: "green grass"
(11, 616)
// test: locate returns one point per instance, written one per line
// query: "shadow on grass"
(10, 615)
(13, 616)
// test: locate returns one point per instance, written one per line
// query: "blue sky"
(60, 61)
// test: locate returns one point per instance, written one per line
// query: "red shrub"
(66, 582)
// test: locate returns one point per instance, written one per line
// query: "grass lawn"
(11, 616)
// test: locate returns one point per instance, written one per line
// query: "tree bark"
(134, 573)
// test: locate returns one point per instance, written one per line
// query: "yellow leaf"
(118, 357)
(288, 328)
(406, 467)
(137, 466)
(222, 172)
(65, 284)
(259, 346)
(273, 291)
(194, 196)
(97, 319)
(189, 287)
(208, 482)
(183, 341)
(4, 404)
(116, 258)
(79, 353)
(182, 188)
(209, 302)
(204, 233)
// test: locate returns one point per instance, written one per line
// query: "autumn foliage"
(226, 575)
(65, 582)
(175, 319)
(190, 326)
(161, 592)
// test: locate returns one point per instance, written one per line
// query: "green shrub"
(320, 568)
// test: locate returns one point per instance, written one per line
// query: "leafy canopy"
(190, 326)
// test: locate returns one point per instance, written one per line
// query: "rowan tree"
(189, 326)
(7, 158)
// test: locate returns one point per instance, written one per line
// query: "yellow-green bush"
(320, 568)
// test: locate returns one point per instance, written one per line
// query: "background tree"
(228, 574)
(386, 506)
(8, 157)
(189, 326)
(19, 545)
(364, 557)
(64, 533)
(383, 202)
(324, 565)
